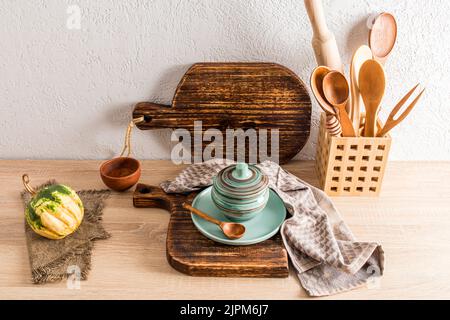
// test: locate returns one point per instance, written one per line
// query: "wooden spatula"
(359, 57)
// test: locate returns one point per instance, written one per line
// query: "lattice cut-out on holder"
(351, 166)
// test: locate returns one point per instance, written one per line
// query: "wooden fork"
(390, 122)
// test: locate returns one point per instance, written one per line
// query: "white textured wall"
(69, 93)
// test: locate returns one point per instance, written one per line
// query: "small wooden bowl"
(121, 173)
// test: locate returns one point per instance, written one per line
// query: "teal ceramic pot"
(240, 191)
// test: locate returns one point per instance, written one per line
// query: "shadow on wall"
(120, 115)
(357, 37)
(167, 84)
(263, 45)
(274, 47)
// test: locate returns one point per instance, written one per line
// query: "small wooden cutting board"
(189, 252)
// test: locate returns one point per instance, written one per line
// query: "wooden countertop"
(411, 219)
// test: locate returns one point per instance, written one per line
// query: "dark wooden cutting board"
(190, 252)
(237, 95)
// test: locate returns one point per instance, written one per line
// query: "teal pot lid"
(240, 181)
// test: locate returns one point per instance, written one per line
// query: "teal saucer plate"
(265, 225)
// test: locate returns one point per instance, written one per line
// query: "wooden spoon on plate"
(231, 230)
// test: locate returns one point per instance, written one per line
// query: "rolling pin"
(323, 41)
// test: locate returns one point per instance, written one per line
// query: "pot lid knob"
(241, 171)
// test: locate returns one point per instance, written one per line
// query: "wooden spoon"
(231, 230)
(361, 55)
(372, 85)
(382, 36)
(317, 77)
(336, 90)
(332, 124)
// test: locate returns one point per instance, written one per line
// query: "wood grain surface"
(410, 219)
(237, 95)
(190, 252)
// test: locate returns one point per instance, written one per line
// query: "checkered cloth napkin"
(324, 252)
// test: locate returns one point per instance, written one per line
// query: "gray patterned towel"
(324, 252)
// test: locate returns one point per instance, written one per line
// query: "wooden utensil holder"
(351, 166)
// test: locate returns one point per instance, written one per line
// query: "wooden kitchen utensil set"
(367, 87)
(353, 146)
(367, 76)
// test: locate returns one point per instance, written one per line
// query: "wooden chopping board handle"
(146, 196)
(154, 115)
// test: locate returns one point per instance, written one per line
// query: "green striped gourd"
(55, 211)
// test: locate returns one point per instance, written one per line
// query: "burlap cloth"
(52, 260)
(327, 257)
